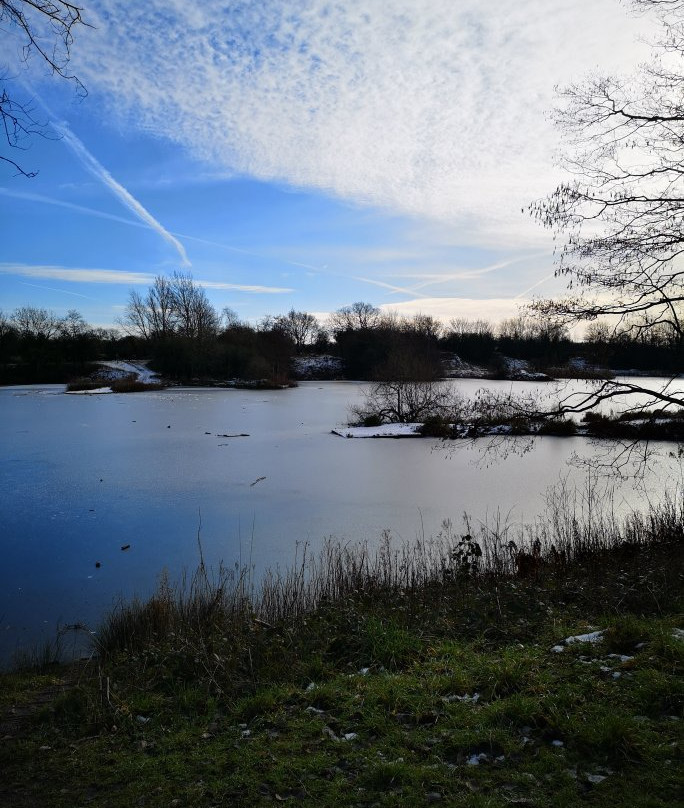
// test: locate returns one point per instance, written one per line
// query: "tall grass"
(217, 617)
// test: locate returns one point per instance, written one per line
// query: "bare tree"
(36, 323)
(154, 315)
(41, 27)
(462, 325)
(172, 306)
(6, 326)
(229, 318)
(302, 328)
(195, 316)
(358, 315)
(424, 325)
(73, 325)
(398, 401)
(622, 216)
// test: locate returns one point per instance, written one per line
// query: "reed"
(224, 627)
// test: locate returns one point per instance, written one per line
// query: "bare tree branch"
(46, 28)
(621, 217)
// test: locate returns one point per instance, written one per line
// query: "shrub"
(559, 427)
(131, 385)
(436, 426)
(372, 420)
(84, 384)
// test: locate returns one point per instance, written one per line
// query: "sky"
(299, 153)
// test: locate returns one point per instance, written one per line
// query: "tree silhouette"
(621, 217)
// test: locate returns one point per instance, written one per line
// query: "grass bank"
(456, 671)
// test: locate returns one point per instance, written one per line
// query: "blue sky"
(300, 154)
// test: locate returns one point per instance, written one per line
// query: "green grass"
(409, 676)
(449, 695)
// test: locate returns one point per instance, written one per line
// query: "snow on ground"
(514, 369)
(123, 368)
(594, 636)
(98, 391)
(383, 431)
(319, 366)
(457, 368)
(519, 370)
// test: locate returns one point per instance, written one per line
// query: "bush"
(131, 385)
(84, 384)
(372, 420)
(559, 427)
(436, 426)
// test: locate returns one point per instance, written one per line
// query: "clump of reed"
(124, 384)
(639, 424)
(129, 384)
(85, 383)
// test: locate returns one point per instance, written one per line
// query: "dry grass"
(226, 628)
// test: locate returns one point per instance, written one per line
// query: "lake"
(83, 476)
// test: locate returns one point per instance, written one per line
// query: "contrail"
(534, 285)
(48, 200)
(53, 289)
(99, 171)
(396, 289)
(470, 274)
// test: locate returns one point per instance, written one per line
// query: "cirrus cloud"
(118, 276)
(436, 109)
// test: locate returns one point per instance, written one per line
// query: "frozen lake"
(82, 476)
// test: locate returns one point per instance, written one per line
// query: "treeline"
(174, 325)
(38, 346)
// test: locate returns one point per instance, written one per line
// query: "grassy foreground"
(400, 678)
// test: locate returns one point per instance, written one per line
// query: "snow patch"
(318, 366)
(98, 391)
(519, 370)
(594, 636)
(383, 431)
(457, 368)
(139, 369)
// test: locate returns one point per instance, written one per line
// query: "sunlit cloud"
(446, 308)
(77, 275)
(240, 287)
(100, 172)
(438, 111)
(473, 273)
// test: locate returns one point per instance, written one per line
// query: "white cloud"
(445, 308)
(117, 276)
(77, 275)
(239, 287)
(436, 109)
